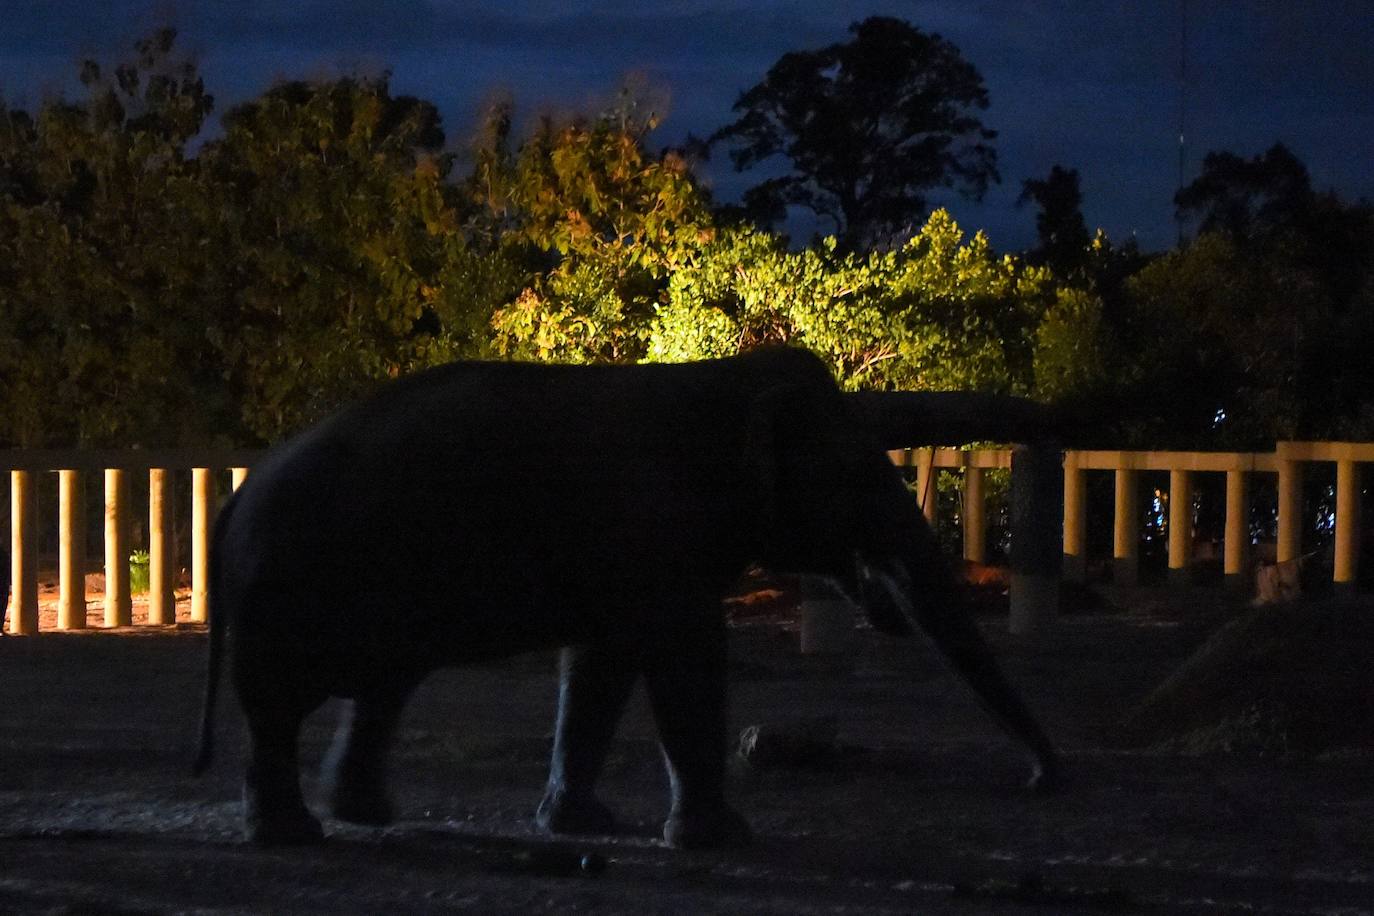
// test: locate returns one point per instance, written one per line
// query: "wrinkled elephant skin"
(480, 510)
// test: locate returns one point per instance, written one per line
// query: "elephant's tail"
(205, 749)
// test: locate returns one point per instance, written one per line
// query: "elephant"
(482, 509)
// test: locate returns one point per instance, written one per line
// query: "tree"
(602, 223)
(868, 128)
(1249, 197)
(1063, 239)
(101, 292)
(347, 262)
(1279, 283)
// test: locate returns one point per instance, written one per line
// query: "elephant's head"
(834, 505)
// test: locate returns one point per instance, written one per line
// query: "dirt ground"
(916, 807)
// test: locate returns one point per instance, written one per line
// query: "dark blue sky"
(1091, 84)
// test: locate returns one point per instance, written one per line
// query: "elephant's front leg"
(686, 675)
(594, 684)
(274, 811)
(355, 768)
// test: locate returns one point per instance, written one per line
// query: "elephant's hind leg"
(594, 684)
(686, 675)
(355, 768)
(274, 811)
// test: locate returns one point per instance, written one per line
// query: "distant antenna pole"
(1182, 107)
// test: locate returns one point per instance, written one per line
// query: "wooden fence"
(1287, 462)
(73, 468)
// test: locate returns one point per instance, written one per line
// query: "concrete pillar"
(238, 475)
(118, 603)
(827, 620)
(1236, 562)
(1347, 566)
(162, 608)
(1180, 526)
(1075, 563)
(1290, 511)
(926, 491)
(23, 554)
(1036, 543)
(202, 497)
(1126, 529)
(71, 551)
(975, 517)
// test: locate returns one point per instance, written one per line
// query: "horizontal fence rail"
(73, 468)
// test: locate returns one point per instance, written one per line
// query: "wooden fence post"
(1180, 526)
(238, 476)
(202, 496)
(975, 517)
(1236, 562)
(1075, 560)
(926, 490)
(1126, 529)
(1290, 511)
(71, 552)
(118, 602)
(162, 607)
(1347, 559)
(23, 554)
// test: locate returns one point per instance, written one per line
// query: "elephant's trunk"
(899, 419)
(922, 592)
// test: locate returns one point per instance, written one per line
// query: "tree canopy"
(329, 238)
(1063, 238)
(867, 128)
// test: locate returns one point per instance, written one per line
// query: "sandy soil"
(917, 808)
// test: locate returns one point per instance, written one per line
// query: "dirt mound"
(1291, 680)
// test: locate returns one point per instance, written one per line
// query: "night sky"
(1090, 84)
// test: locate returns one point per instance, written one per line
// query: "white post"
(1037, 550)
(827, 621)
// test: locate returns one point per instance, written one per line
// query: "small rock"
(803, 742)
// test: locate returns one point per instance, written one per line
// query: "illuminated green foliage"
(941, 311)
(611, 221)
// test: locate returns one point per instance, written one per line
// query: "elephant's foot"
(715, 827)
(300, 829)
(368, 807)
(564, 812)
(1047, 775)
